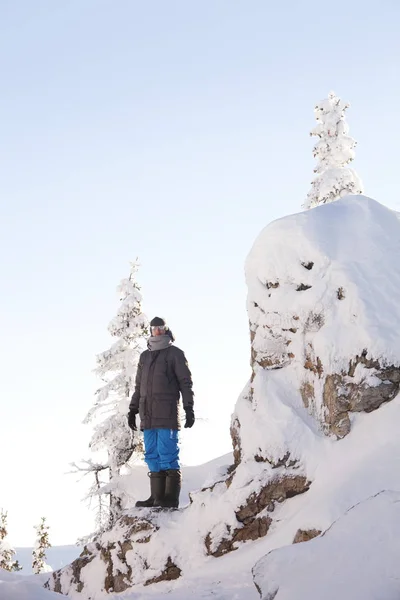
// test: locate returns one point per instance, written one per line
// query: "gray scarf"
(159, 342)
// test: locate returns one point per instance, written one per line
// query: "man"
(162, 375)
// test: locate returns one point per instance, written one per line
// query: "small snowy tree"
(333, 151)
(7, 552)
(39, 550)
(117, 368)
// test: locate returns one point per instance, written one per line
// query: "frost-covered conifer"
(333, 151)
(7, 552)
(117, 368)
(39, 551)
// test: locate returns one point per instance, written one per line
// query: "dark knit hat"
(158, 322)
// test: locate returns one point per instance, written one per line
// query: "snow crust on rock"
(357, 558)
(353, 244)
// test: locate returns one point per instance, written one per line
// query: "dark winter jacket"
(161, 376)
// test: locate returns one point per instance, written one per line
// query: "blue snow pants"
(161, 449)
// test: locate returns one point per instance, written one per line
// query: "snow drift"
(325, 350)
(357, 557)
(19, 587)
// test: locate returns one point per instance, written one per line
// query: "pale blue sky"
(173, 131)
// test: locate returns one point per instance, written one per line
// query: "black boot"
(172, 489)
(157, 490)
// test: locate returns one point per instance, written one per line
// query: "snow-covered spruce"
(322, 304)
(111, 435)
(39, 551)
(7, 552)
(333, 151)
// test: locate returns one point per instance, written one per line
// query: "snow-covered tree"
(7, 552)
(333, 151)
(111, 436)
(39, 551)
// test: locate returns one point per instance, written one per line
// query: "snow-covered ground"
(357, 558)
(137, 486)
(14, 586)
(349, 472)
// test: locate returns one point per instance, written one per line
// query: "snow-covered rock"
(325, 350)
(357, 558)
(324, 313)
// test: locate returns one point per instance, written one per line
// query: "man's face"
(157, 331)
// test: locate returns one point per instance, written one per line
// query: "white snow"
(357, 558)
(17, 587)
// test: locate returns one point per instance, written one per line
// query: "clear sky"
(172, 131)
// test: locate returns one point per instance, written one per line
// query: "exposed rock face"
(74, 572)
(305, 535)
(124, 562)
(342, 392)
(235, 435)
(118, 571)
(257, 529)
(364, 386)
(251, 523)
(170, 572)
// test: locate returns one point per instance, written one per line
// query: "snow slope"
(17, 587)
(137, 487)
(357, 558)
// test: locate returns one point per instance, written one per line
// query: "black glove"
(189, 417)
(132, 420)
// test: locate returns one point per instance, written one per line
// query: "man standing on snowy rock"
(162, 375)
